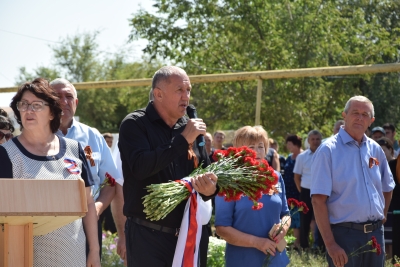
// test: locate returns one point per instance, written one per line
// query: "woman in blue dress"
(293, 144)
(246, 230)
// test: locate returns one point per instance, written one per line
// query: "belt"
(366, 227)
(168, 230)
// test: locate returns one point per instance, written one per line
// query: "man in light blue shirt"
(351, 189)
(100, 159)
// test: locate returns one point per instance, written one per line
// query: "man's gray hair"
(359, 98)
(162, 75)
(314, 132)
(64, 82)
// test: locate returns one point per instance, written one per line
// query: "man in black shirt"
(154, 144)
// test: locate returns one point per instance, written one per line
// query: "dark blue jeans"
(351, 239)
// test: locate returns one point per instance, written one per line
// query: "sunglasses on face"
(8, 136)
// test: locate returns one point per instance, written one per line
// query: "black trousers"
(396, 235)
(148, 247)
(109, 224)
(305, 220)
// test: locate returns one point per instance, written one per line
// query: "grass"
(216, 254)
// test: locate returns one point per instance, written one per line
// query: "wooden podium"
(31, 207)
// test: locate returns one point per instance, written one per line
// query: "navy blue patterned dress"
(288, 178)
(291, 189)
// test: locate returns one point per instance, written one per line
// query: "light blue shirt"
(117, 159)
(340, 170)
(101, 153)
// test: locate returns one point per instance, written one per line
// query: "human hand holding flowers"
(205, 184)
(278, 231)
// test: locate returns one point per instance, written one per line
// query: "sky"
(28, 28)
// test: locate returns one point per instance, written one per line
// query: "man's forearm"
(117, 206)
(388, 199)
(297, 181)
(107, 194)
(322, 218)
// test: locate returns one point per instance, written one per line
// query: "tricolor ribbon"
(197, 213)
(72, 166)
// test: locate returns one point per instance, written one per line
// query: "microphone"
(191, 112)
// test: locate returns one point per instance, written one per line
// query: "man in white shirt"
(302, 178)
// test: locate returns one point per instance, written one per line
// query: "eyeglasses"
(382, 142)
(35, 105)
(8, 136)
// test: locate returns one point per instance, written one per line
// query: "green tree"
(78, 59)
(213, 36)
(44, 72)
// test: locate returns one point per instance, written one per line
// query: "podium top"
(36, 197)
(48, 204)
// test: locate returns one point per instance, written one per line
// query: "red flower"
(110, 179)
(293, 203)
(257, 206)
(218, 154)
(303, 207)
(374, 242)
(237, 196)
(248, 161)
(378, 249)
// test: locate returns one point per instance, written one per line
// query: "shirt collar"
(308, 151)
(152, 112)
(346, 138)
(73, 124)
(153, 115)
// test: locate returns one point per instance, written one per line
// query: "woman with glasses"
(38, 153)
(6, 129)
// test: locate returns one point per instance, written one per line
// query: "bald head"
(163, 75)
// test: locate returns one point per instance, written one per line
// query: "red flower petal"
(257, 206)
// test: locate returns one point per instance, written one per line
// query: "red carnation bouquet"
(239, 174)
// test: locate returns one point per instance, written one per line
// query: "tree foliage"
(217, 36)
(78, 59)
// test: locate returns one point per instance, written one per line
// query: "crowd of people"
(346, 180)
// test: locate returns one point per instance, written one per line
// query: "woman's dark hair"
(41, 89)
(3, 113)
(296, 140)
(6, 124)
